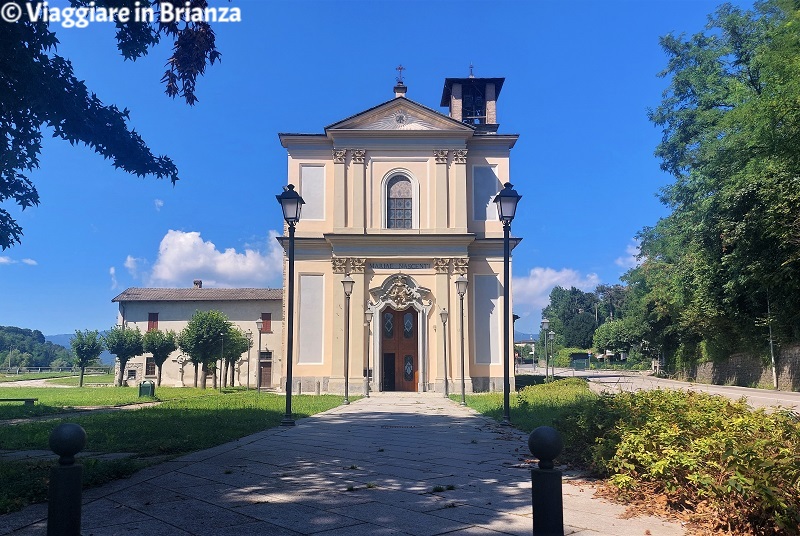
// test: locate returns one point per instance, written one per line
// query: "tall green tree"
(161, 344)
(39, 88)
(87, 346)
(731, 126)
(203, 341)
(571, 314)
(125, 343)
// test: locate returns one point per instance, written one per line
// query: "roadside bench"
(28, 401)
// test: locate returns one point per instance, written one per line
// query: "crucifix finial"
(400, 70)
(470, 71)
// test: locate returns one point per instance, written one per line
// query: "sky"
(580, 77)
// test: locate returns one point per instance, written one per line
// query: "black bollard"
(64, 496)
(548, 507)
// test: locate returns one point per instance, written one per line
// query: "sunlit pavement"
(618, 381)
(391, 464)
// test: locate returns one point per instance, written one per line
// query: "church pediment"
(399, 114)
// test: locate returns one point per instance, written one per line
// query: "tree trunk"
(203, 375)
(224, 376)
(232, 370)
(158, 378)
(80, 382)
(122, 365)
(195, 375)
(214, 378)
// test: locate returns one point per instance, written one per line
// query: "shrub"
(734, 467)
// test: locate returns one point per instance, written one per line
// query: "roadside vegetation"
(198, 419)
(707, 460)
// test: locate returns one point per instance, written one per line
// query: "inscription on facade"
(401, 265)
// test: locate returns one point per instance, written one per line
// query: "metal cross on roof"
(470, 71)
(400, 70)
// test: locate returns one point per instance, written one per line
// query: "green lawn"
(536, 404)
(33, 376)
(73, 381)
(188, 420)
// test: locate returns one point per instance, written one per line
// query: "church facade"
(399, 198)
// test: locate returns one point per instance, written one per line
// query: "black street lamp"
(543, 336)
(259, 327)
(461, 289)
(221, 359)
(444, 316)
(552, 337)
(506, 202)
(249, 346)
(347, 283)
(368, 323)
(292, 204)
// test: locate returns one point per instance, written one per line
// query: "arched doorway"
(400, 348)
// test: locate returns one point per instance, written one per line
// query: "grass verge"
(177, 426)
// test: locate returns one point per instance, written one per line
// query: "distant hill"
(106, 358)
(28, 347)
(520, 336)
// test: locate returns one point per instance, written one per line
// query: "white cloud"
(184, 256)
(9, 260)
(532, 293)
(630, 260)
(132, 265)
(113, 273)
(158, 203)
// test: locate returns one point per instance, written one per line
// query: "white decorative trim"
(339, 156)
(441, 266)
(358, 155)
(460, 156)
(460, 265)
(440, 155)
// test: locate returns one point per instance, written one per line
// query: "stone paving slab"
(379, 466)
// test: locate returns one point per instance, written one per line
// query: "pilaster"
(339, 188)
(442, 203)
(358, 174)
(442, 291)
(358, 331)
(339, 268)
(459, 206)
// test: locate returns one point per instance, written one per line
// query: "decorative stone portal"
(401, 309)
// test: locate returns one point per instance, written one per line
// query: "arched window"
(399, 203)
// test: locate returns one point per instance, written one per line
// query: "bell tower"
(473, 100)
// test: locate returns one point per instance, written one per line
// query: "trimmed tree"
(236, 344)
(87, 346)
(202, 340)
(161, 344)
(125, 344)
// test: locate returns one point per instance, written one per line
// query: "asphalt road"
(635, 381)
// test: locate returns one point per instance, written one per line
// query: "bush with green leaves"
(718, 459)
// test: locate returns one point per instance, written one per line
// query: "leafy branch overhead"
(38, 87)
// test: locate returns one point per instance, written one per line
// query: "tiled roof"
(199, 294)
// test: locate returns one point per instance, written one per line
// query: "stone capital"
(460, 156)
(339, 156)
(358, 155)
(441, 266)
(440, 155)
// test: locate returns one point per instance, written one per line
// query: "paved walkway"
(392, 464)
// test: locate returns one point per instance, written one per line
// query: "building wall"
(175, 315)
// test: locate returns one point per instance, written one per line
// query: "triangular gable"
(400, 114)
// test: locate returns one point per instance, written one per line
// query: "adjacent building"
(172, 308)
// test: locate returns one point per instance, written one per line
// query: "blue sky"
(579, 79)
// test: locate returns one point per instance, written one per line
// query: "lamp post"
(506, 201)
(368, 323)
(347, 283)
(291, 204)
(259, 327)
(221, 358)
(249, 345)
(552, 337)
(543, 336)
(444, 315)
(461, 289)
